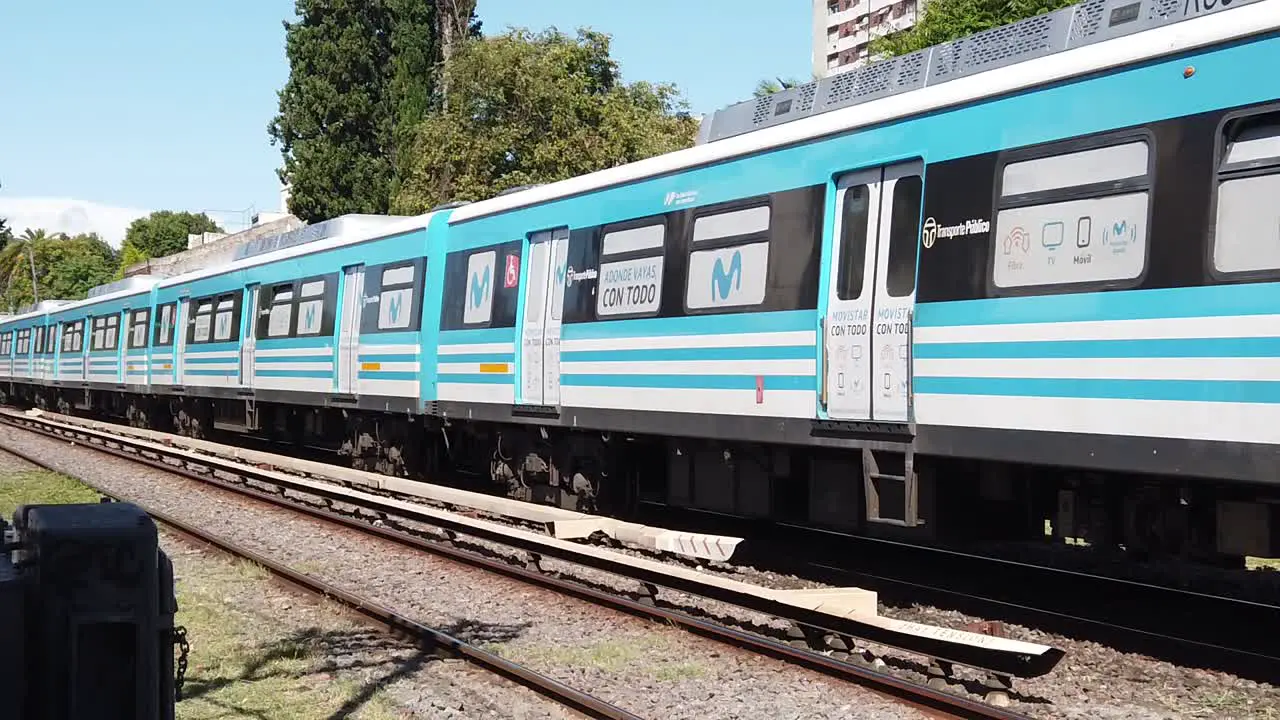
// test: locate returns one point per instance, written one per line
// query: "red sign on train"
(512, 276)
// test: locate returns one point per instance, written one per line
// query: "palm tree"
(17, 256)
(770, 86)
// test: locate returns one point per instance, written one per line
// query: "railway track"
(400, 625)
(456, 541)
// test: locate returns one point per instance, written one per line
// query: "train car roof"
(397, 226)
(1106, 48)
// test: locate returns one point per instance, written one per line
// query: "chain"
(184, 649)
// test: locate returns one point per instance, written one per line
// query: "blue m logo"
(560, 274)
(393, 307)
(722, 282)
(479, 288)
(309, 317)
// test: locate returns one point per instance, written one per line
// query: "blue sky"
(114, 109)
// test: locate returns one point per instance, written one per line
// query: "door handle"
(822, 338)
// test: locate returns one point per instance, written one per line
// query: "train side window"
(38, 348)
(111, 336)
(24, 341)
(1073, 218)
(278, 303)
(395, 298)
(98, 338)
(201, 320)
(6, 340)
(311, 307)
(729, 259)
(631, 264)
(165, 318)
(904, 236)
(139, 320)
(1247, 222)
(478, 300)
(853, 242)
(77, 336)
(226, 319)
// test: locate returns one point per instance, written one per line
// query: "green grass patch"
(244, 662)
(35, 487)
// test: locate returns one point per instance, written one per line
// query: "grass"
(248, 659)
(32, 487)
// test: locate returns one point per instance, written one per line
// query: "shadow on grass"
(377, 658)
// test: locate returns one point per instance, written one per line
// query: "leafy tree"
(164, 232)
(130, 255)
(362, 75)
(945, 20)
(66, 266)
(525, 108)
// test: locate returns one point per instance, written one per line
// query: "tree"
(362, 74)
(164, 232)
(65, 267)
(129, 256)
(946, 20)
(525, 108)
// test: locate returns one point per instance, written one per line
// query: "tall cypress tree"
(362, 75)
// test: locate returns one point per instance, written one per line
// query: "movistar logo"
(311, 316)
(722, 282)
(560, 274)
(393, 307)
(479, 288)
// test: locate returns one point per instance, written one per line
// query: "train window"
(279, 301)
(138, 322)
(24, 341)
(729, 262)
(630, 273)
(1072, 218)
(853, 242)
(395, 298)
(1247, 222)
(311, 307)
(478, 307)
(38, 348)
(224, 319)
(165, 316)
(904, 236)
(6, 341)
(111, 341)
(202, 318)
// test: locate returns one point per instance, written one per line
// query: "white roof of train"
(1224, 26)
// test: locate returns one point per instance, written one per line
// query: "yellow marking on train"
(166, 366)
(370, 366)
(494, 367)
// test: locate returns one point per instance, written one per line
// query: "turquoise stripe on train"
(1191, 302)
(766, 352)
(1250, 347)
(1215, 391)
(726, 324)
(691, 382)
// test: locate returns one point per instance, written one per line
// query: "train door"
(544, 303)
(183, 311)
(349, 328)
(249, 334)
(871, 294)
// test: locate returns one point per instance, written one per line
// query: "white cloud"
(68, 216)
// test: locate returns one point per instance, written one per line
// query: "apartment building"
(843, 30)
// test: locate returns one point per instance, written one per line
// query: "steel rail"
(429, 638)
(923, 697)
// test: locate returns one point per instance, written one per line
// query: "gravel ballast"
(650, 669)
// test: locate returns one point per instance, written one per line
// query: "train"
(1001, 289)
